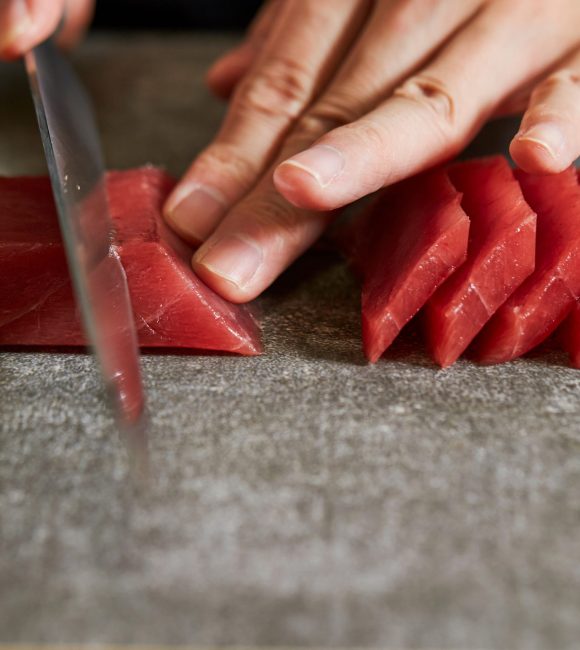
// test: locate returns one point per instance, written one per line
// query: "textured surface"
(298, 498)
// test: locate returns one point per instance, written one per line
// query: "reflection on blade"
(76, 170)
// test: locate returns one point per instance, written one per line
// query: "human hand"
(334, 99)
(26, 23)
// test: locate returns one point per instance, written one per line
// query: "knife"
(75, 164)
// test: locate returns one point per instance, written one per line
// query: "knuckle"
(281, 87)
(546, 113)
(432, 94)
(371, 135)
(555, 97)
(328, 114)
(374, 139)
(276, 220)
(561, 79)
(225, 160)
(281, 219)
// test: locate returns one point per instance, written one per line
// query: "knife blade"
(75, 164)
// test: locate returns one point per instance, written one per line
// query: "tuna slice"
(173, 308)
(408, 243)
(571, 336)
(541, 303)
(500, 256)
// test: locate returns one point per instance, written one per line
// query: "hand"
(26, 23)
(334, 99)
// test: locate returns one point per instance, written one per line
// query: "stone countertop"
(299, 498)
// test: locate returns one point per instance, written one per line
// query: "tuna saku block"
(172, 306)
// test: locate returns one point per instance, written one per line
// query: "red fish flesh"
(408, 244)
(571, 336)
(172, 306)
(500, 256)
(541, 303)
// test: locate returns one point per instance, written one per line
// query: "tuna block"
(172, 306)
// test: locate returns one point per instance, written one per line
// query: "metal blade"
(75, 165)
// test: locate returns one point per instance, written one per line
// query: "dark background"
(175, 14)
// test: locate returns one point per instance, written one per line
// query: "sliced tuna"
(407, 245)
(500, 256)
(542, 302)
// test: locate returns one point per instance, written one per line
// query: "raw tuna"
(173, 308)
(571, 335)
(501, 253)
(540, 304)
(410, 241)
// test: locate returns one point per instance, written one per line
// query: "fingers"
(298, 56)
(274, 233)
(549, 138)
(430, 117)
(226, 72)
(78, 15)
(25, 23)
(383, 57)
(399, 37)
(255, 242)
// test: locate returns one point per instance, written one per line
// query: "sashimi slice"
(413, 238)
(500, 256)
(172, 306)
(541, 303)
(571, 335)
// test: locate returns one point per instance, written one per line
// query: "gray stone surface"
(298, 498)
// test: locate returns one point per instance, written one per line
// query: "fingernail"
(195, 210)
(323, 162)
(20, 21)
(234, 258)
(546, 135)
